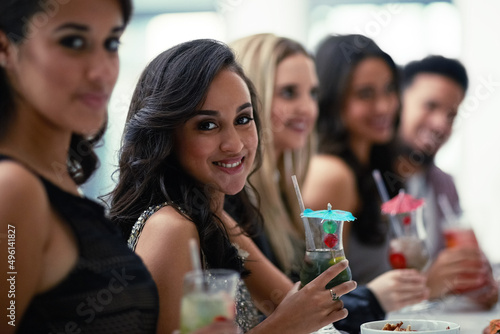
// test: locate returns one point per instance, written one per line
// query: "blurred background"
(464, 29)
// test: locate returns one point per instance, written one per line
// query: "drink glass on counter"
(208, 296)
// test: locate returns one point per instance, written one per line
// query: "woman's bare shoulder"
(169, 217)
(331, 169)
(329, 180)
(20, 190)
(25, 217)
(167, 227)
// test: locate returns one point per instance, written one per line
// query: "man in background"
(433, 89)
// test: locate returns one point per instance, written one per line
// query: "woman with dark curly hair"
(192, 137)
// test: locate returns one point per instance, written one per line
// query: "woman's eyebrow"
(82, 27)
(243, 107)
(73, 26)
(209, 112)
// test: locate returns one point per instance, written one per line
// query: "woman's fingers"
(412, 296)
(409, 276)
(322, 280)
(343, 288)
(338, 313)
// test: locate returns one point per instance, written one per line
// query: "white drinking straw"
(307, 229)
(448, 213)
(195, 260)
(195, 255)
(421, 232)
(396, 228)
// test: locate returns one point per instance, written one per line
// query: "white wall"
(282, 17)
(472, 154)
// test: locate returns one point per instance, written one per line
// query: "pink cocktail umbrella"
(404, 206)
(402, 203)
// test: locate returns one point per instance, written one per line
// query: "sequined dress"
(108, 291)
(247, 315)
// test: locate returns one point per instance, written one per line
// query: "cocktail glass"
(409, 250)
(324, 248)
(462, 235)
(458, 233)
(208, 296)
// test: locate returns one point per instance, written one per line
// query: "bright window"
(405, 31)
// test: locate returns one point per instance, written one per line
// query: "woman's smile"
(231, 166)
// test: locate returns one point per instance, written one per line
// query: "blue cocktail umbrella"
(329, 214)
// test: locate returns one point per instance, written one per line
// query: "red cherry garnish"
(407, 220)
(331, 240)
(220, 318)
(397, 260)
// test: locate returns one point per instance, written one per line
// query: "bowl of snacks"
(410, 325)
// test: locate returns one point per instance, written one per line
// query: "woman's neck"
(217, 202)
(361, 150)
(43, 150)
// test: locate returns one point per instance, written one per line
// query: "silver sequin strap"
(139, 224)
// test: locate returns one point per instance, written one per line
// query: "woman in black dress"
(69, 270)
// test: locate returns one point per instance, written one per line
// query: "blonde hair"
(260, 55)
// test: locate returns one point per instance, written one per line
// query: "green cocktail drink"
(317, 261)
(323, 236)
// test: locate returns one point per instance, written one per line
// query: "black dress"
(108, 291)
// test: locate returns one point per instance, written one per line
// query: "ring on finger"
(334, 295)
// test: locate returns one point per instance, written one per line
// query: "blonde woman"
(285, 79)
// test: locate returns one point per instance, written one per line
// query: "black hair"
(447, 67)
(170, 91)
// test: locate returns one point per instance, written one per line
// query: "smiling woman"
(184, 128)
(68, 267)
(191, 138)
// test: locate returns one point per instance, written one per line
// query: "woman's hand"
(310, 308)
(396, 289)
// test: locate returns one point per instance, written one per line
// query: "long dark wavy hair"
(336, 60)
(170, 91)
(14, 18)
